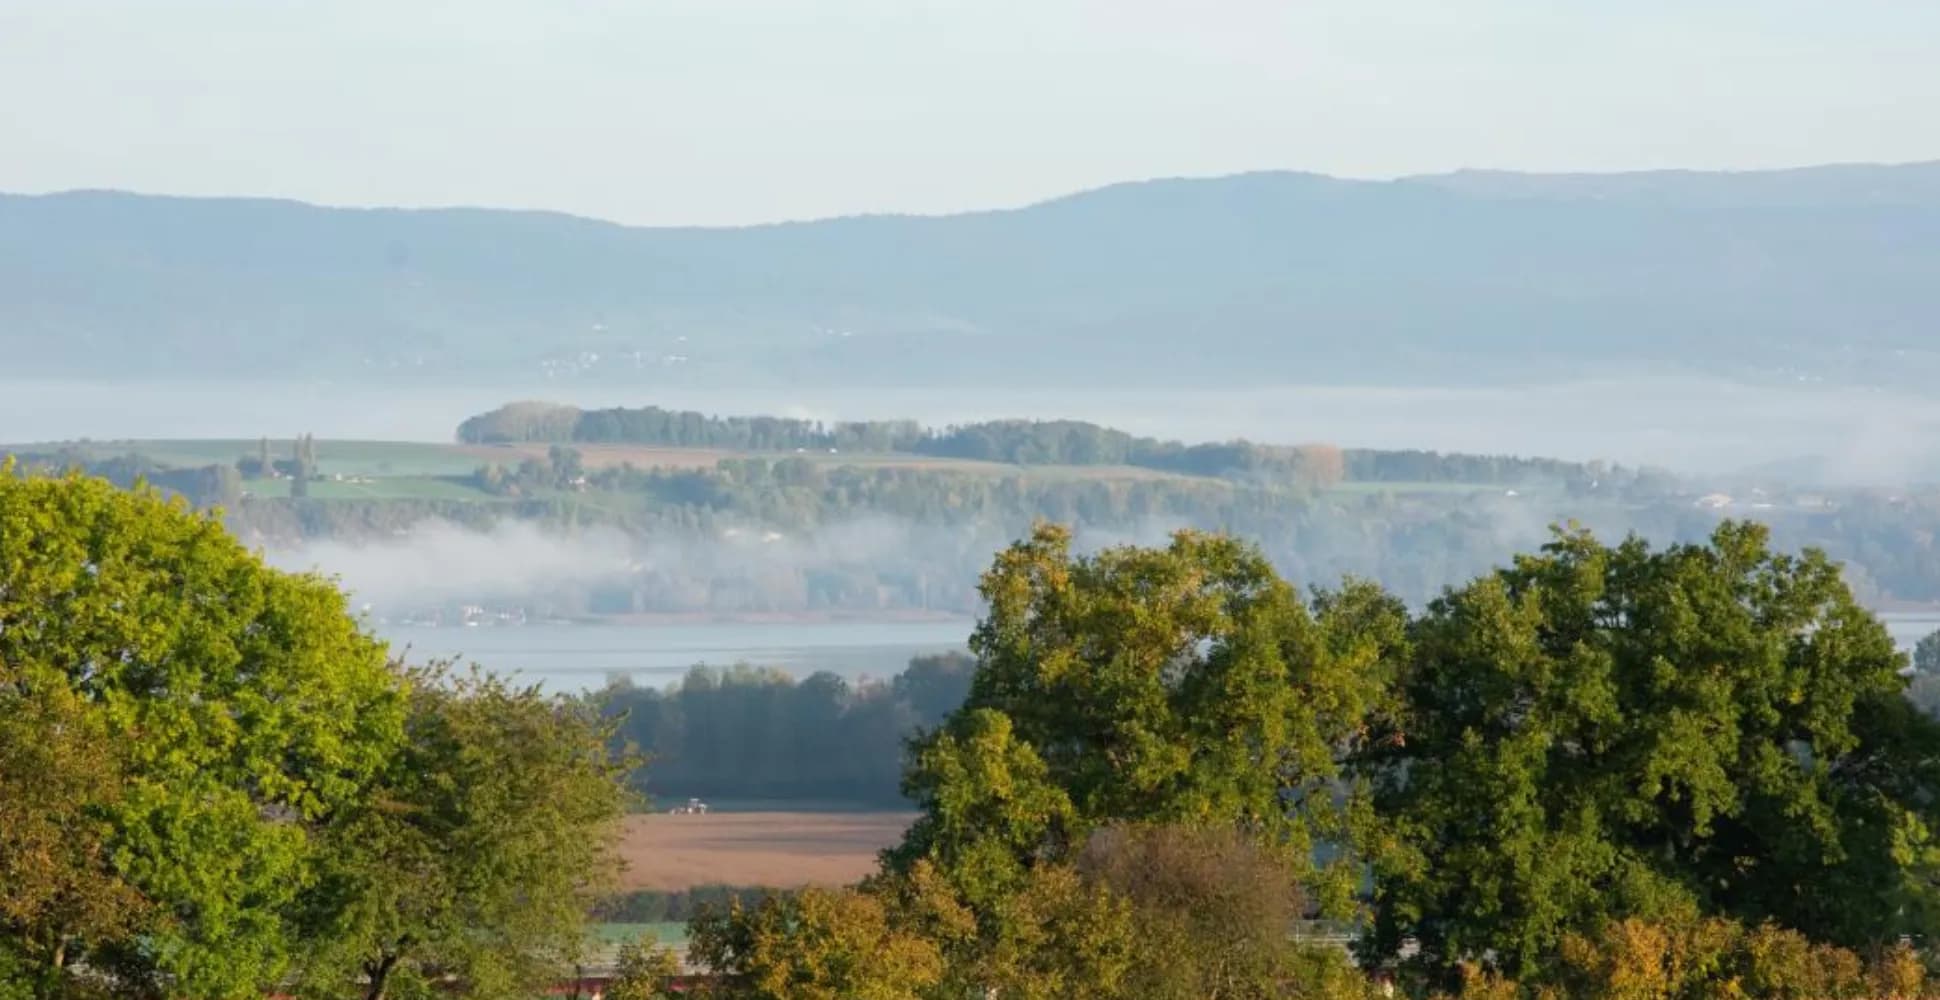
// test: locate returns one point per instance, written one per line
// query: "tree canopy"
(1604, 771)
(478, 852)
(1602, 732)
(240, 707)
(214, 783)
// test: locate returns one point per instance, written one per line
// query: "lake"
(582, 657)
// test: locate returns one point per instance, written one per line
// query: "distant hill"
(1265, 278)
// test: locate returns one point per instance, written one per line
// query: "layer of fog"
(1691, 425)
(436, 564)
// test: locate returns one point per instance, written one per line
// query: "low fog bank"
(1700, 426)
(437, 563)
(869, 566)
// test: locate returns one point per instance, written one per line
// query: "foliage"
(479, 851)
(1186, 684)
(240, 707)
(1184, 691)
(743, 732)
(643, 971)
(59, 890)
(1611, 732)
(1926, 654)
(655, 906)
(1690, 958)
(990, 811)
(1014, 442)
(816, 945)
(1214, 909)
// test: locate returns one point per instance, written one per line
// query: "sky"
(717, 112)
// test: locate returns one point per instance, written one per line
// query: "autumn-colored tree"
(59, 889)
(816, 945)
(1686, 957)
(1214, 908)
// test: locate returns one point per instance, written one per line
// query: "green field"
(613, 935)
(376, 488)
(365, 458)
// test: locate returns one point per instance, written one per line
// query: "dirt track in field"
(773, 849)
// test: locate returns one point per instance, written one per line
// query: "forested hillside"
(729, 516)
(1272, 278)
(1020, 442)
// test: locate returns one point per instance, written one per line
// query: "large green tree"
(477, 854)
(1185, 684)
(239, 708)
(1600, 732)
(1184, 689)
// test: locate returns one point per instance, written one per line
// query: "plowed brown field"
(773, 849)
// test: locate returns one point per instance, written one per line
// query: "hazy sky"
(723, 111)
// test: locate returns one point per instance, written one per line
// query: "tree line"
(750, 733)
(1017, 442)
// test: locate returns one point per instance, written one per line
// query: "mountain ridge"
(1458, 179)
(1828, 273)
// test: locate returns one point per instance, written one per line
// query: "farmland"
(776, 849)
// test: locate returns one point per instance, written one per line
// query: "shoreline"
(650, 618)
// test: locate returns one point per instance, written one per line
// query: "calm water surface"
(581, 657)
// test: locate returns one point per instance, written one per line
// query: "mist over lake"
(569, 658)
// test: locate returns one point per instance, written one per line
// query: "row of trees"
(1601, 772)
(213, 784)
(752, 733)
(1018, 442)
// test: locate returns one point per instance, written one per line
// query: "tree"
(1926, 654)
(59, 889)
(1709, 958)
(1215, 911)
(1187, 683)
(989, 811)
(478, 851)
(643, 971)
(1599, 733)
(567, 466)
(816, 945)
(227, 711)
